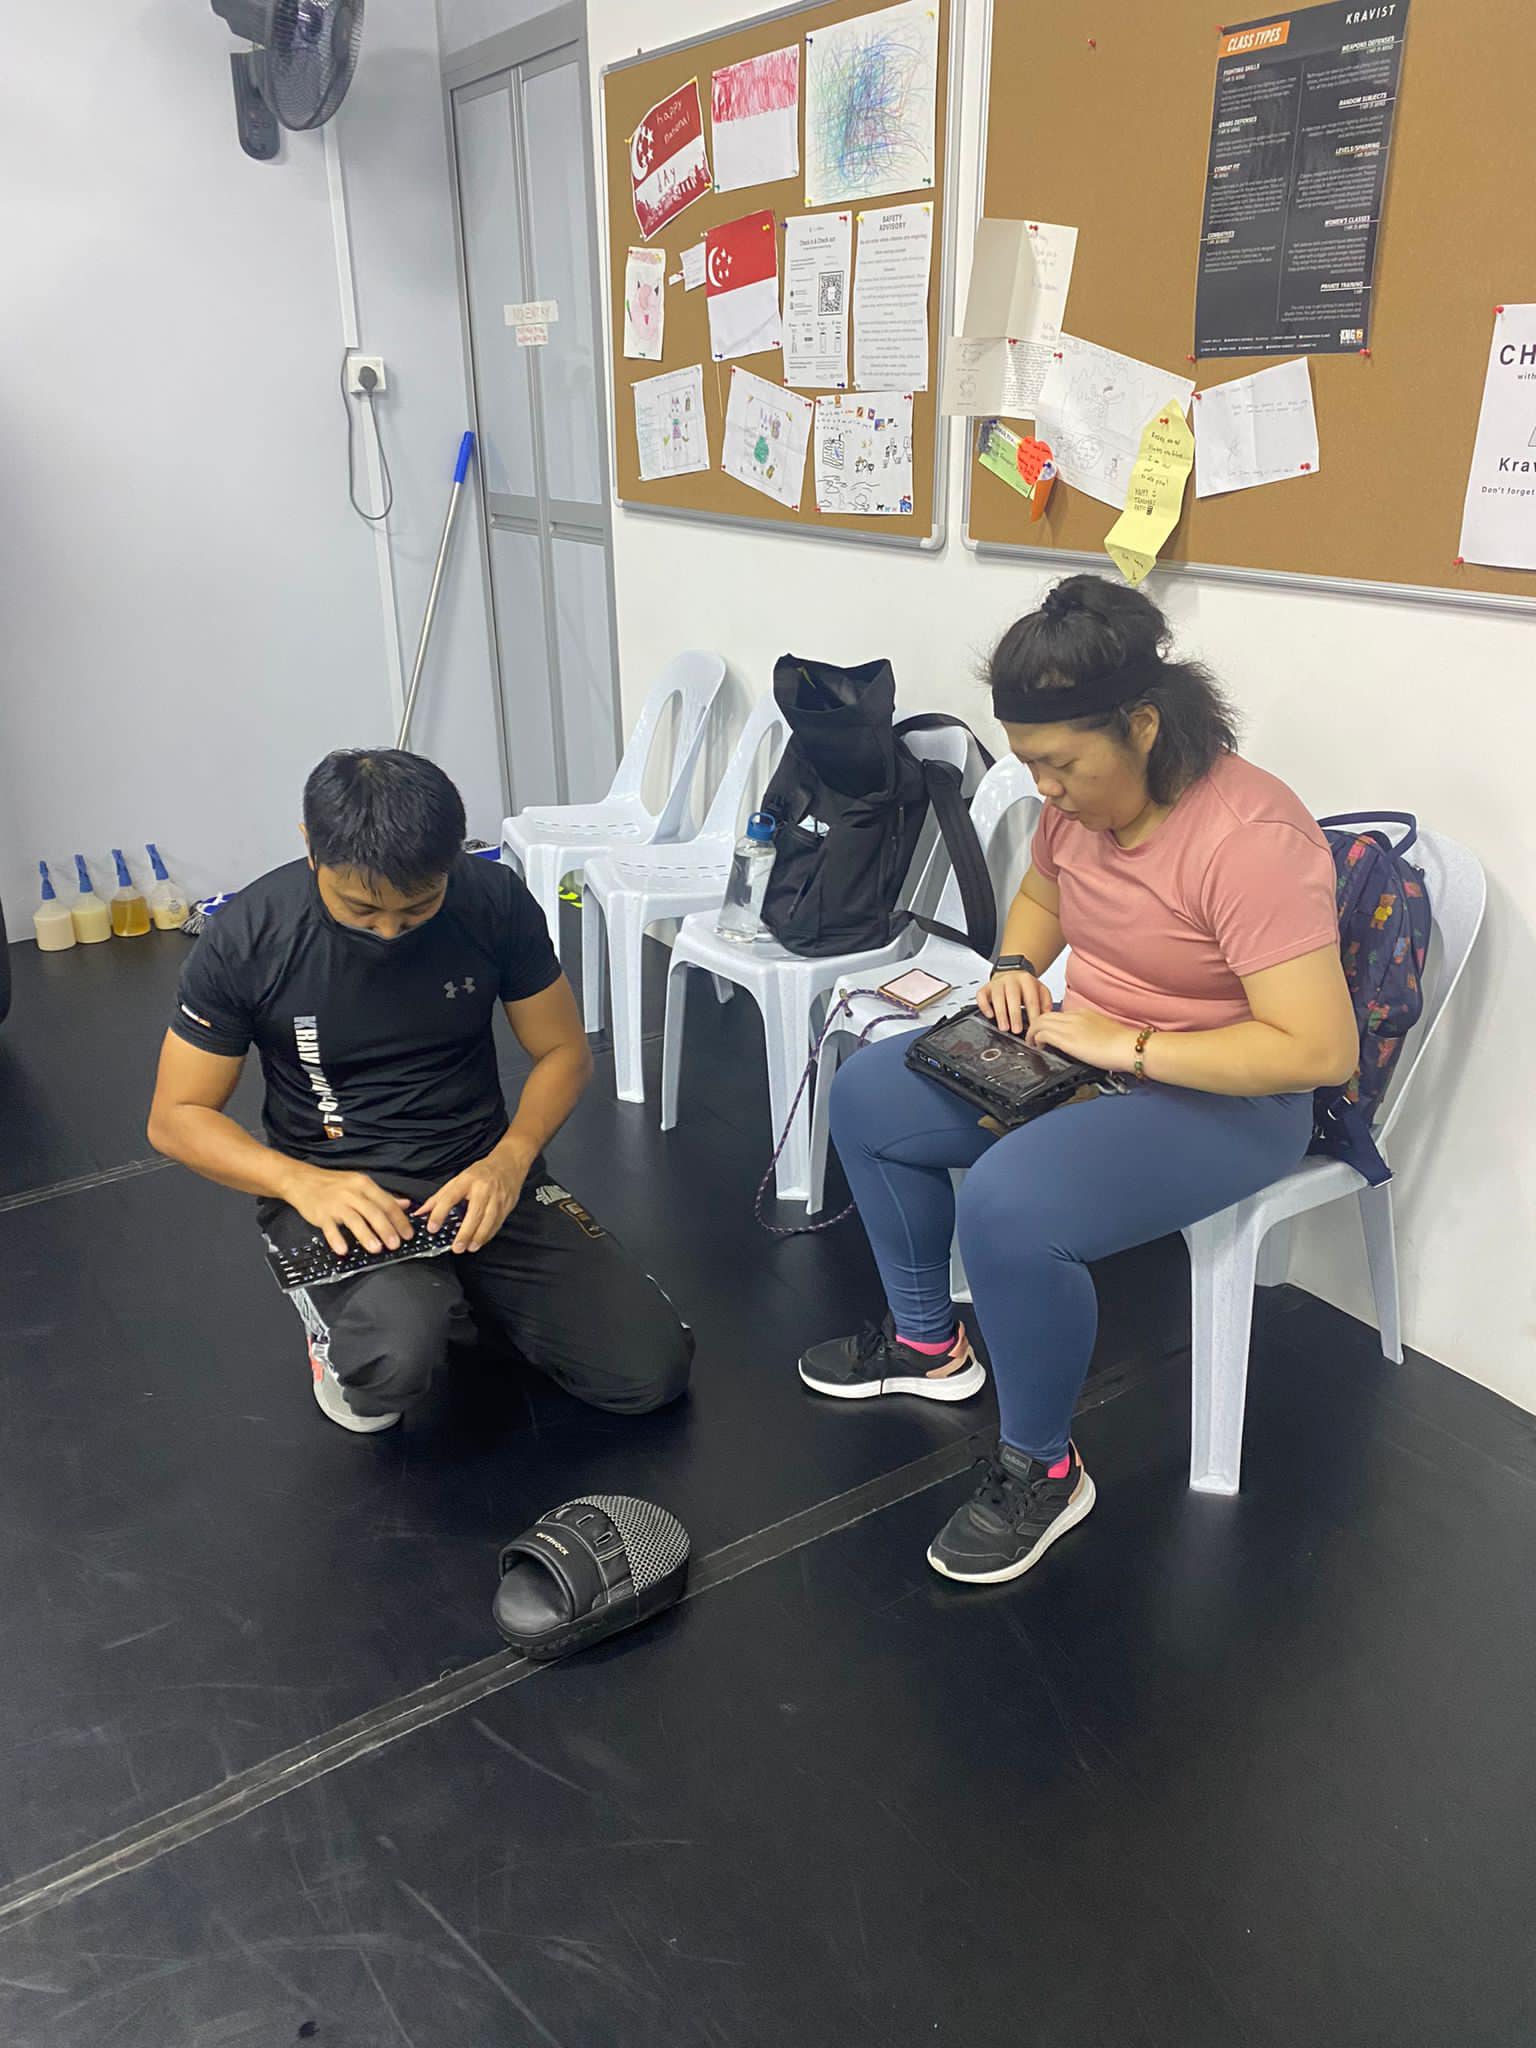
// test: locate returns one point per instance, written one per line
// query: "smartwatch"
(1014, 963)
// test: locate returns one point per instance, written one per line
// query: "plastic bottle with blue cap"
(88, 912)
(51, 920)
(167, 904)
(741, 915)
(130, 913)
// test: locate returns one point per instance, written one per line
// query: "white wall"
(192, 613)
(1354, 701)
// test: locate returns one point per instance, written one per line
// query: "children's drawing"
(871, 102)
(767, 434)
(864, 453)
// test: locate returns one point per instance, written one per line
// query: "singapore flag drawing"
(668, 163)
(741, 286)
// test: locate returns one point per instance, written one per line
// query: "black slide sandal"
(587, 1570)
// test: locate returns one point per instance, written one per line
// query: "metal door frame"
(547, 43)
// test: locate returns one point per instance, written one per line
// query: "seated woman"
(1197, 897)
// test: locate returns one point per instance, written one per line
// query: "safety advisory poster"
(1295, 180)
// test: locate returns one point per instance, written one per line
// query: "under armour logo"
(451, 989)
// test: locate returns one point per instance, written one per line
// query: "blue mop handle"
(460, 471)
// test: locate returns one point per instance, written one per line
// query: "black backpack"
(851, 800)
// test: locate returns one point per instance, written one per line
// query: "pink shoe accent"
(940, 1350)
(1061, 1468)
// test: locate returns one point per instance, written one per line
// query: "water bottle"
(741, 915)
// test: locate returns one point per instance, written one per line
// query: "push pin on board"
(1458, 561)
(1365, 351)
(1306, 465)
(1499, 311)
(1093, 42)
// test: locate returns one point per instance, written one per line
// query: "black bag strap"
(977, 895)
(1350, 818)
(940, 721)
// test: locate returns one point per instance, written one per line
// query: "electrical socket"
(357, 362)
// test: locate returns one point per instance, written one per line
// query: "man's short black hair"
(392, 817)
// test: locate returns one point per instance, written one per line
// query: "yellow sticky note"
(1155, 496)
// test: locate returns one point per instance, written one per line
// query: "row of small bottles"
(126, 914)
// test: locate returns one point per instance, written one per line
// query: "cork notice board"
(1099, 116)
(629, 91)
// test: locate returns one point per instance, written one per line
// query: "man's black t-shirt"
(378, 1054)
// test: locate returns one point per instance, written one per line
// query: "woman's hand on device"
(1013, 1000)
(1086, 1035)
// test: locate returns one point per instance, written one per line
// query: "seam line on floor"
(82, 1183)
(288, 1771)
(174, 1827)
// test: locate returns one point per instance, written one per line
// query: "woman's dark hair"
(1088, 628)
(393, 817)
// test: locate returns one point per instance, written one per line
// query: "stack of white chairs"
(551, 841)
(629, 891)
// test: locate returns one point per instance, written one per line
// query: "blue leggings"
(1077, 1184)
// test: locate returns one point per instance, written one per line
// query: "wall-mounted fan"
(299, 71)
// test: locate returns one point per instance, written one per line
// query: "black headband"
(1110, 690)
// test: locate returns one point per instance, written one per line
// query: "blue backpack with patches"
(1384, 926)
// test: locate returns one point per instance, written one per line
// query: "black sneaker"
(1012, 1519)
(877, 1362)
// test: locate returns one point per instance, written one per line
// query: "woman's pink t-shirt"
(1236, 878)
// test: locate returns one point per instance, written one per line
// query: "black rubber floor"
(1222, 1772)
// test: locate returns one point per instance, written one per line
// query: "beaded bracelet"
(1139, 1066)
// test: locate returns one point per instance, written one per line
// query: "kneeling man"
(367, 978)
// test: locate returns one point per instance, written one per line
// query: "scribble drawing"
(869, 118)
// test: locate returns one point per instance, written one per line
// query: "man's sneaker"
(331, 1396)
(877, 1362)
(1013, 1518)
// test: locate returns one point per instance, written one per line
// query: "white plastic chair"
(787, 987)
(1005, 811)
(555, 840)
(635, 890)
(1246, 1245)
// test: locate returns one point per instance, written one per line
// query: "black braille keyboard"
(313, 1263)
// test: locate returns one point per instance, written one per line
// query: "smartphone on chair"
(916, 989)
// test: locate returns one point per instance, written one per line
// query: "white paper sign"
(864, 453)
(1021, 272)
(1255, 430)
(645, 303)
(1092, 409)
(767, 432)
(818, 261)
(670, 430)
(531, 311)
(693, 267)
(1498, 520)
(890, 298)
(993, 377)
(531, 333)
(1014, 312)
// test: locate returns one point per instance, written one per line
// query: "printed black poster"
(1295, 178)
